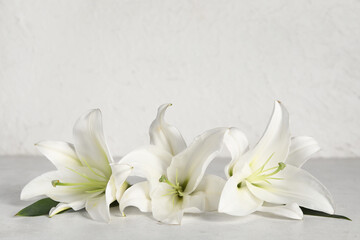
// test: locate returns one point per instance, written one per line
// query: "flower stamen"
(88, 187)
(262, 174)
(176, 188)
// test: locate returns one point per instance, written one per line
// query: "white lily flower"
(165, 141)
(175, 174)
(83, 177)
(184, 188)
(268, 178)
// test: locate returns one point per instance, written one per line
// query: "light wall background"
(221, 63)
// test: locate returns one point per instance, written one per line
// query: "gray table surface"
(341, 176)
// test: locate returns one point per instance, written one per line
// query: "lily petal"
(297, 186)
(120, 174)
(237, 144)
(291, 210)
(137, 196)
(275, 142)
(188, 167)
(149, 162)
(111, 191)
(238, 201)
(98, 208)
(64, 206)
(212, 187)
(164, 135)
(61, 154)
(90, 142)
(195, 202)
(40, 185)
(166, 208)
(301, 149)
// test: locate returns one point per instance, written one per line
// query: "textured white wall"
(221, 63)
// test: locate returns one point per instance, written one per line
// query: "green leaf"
(308, 211)
(41, 207)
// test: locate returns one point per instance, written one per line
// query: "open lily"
(268, 178)
(175, 174)
(184, 188)
(165, 142)
(83, 178)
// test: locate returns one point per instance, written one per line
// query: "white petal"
(291, 210)
(90, 142)
(164, 135)
(63, 206)
(42, 185)
(61, 154)
(188, 167)
(237, 144)
(275, 142)
(194, 203)
(149, 162)
(111, 191)
(237, 201)
(137, 196)
(297, 186)
(301, 149)
(211, 186)
(98, 208)
(120, 174)
(59, 208)
(166, 208)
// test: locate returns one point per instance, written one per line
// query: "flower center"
(176, 189)
(262, 174)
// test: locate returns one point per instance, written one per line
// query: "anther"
(281, 165)
(163, 178)
(55, 182)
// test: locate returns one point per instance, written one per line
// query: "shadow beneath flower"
(273, 216)
(16, 175)
(220, 217)
(10, 195)
(130, 212)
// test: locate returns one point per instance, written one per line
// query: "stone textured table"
(341, 176)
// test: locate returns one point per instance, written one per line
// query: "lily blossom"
(165, 141)
(83, 178)
(269, 178)
(175, 173)
(184, 188)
